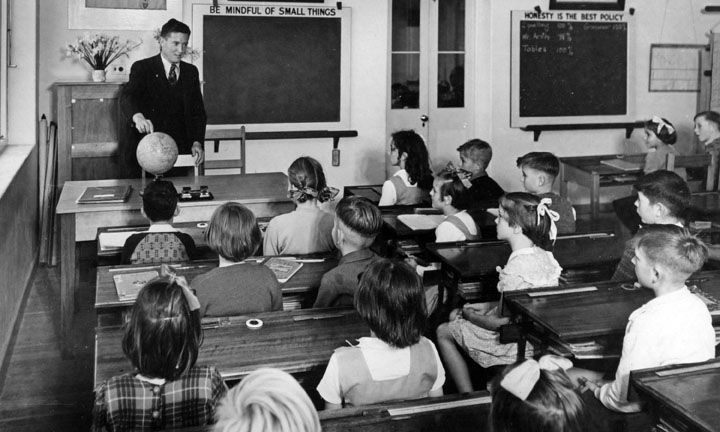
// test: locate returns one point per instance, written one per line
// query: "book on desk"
(105, 194)
(623, 165)
(128, 285)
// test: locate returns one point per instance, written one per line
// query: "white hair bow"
(662, 124)
(542, 210)
(522, 379)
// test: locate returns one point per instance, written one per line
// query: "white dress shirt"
(674, 328)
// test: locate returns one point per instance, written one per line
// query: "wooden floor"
(40, 390)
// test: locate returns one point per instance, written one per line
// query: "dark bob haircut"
(391, 299)
(163, 336)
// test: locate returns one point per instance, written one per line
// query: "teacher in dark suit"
(163, 94)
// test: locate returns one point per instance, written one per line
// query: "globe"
(157, 152)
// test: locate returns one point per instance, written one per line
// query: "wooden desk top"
(580, 315)
(242, 188)
(106, 298)
(294, 341)
(688, 393)
(466, 412)
(593, 164)
(477, 259)
(589, 314)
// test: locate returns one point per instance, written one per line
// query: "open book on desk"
(711, 302)
(128, 285)
(283, 269)
(421, 222)
(623, 164)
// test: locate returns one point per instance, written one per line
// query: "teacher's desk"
(264, 194)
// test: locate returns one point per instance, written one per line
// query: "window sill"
(12, 158)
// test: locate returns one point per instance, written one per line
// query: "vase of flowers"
(99, 52)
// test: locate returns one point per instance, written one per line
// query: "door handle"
(424, 119)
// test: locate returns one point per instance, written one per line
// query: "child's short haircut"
(521, 211)
(552, 406)
(711, 116)
(268, 400)
(477, 151)
(667, 188)
(542, 161)
(391, 299)
(163, 336)
(160, 200)
(453, 187)
(664, 130)
(360, 215)
(307, 173)
(233, 232)
(674, 248)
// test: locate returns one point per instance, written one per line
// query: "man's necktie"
(172, 76)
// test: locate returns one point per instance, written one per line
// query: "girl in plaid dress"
(525, 221)
(166, 390)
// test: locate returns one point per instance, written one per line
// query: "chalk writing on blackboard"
(568, 69)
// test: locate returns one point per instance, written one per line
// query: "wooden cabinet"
(92, 132)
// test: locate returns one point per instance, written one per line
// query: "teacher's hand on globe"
(198, 152)
(142, 124)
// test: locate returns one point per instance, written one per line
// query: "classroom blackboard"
(270, 69)
(571, 70)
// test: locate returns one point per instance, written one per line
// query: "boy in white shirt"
(673, 328)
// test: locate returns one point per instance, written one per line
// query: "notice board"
(571, 67)
(283, 67)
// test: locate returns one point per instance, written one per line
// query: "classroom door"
(430, 58)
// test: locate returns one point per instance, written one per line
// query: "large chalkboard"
(272, 69)
(571, 71)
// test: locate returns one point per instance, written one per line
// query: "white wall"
(22, 80)
(362, 158)
(681, 23)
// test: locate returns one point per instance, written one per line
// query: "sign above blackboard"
(571, 68)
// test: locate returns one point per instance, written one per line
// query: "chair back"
(159, 247)
(707, 161)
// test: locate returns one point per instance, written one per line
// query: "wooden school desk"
(589, 172)
(471, 262)
(684, 397)
(265, 194)
(295, 341)
(456, 412)
(572, 314)
(304, 281)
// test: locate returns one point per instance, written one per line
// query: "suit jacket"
(147, 93)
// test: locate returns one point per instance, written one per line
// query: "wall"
(681, 23)
(362, 158)
(18, 173)
(18, 234)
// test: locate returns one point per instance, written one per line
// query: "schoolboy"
(357, 222)
(475, 156)
(663, 197)
(539, 171)
(160, 207)
(673, 328)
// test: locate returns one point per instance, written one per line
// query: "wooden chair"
(707, 161)
(183, 160)
(224, 135)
